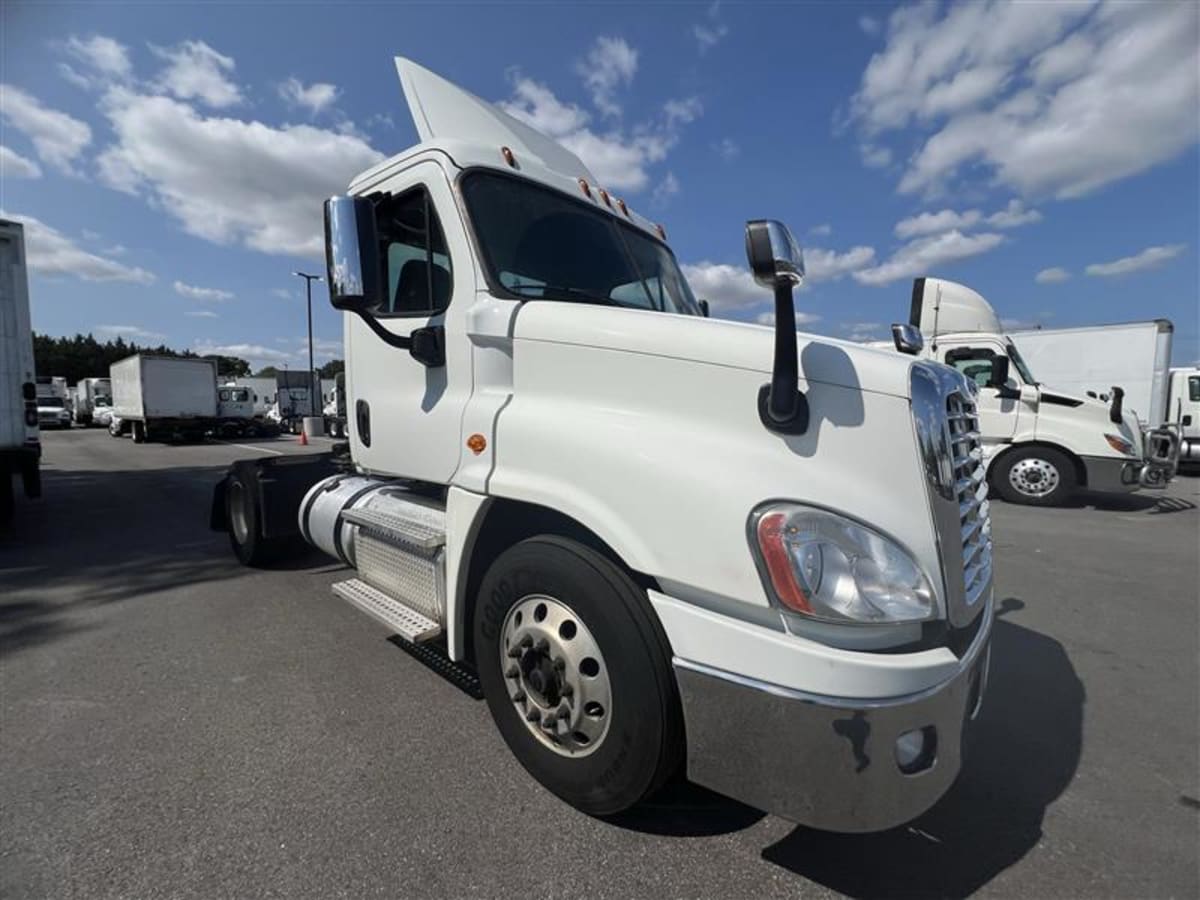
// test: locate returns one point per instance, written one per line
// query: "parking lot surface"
(174, 725)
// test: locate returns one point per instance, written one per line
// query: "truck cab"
(655, 538)
(1040, 444)
(1183, 407)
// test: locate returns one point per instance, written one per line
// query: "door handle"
(362, 421)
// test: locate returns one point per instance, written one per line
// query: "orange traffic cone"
(303, 437)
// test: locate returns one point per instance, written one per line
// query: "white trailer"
(1089, 361)
(20, 442)
(160, 396)
(89, 395)
(653, 535)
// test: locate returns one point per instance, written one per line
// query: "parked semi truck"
(157, 397)
(90, 394)
(1090, 361)
(652, 535)
(1040, 444)
(1183, 404)
(20, 440)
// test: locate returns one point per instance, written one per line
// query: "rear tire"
(614, 765)
(244, 521)
(7, 498)
(138, 430)
(1034, 476)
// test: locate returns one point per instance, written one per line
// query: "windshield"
(1021, 365)
(50, 401)
(538, 243)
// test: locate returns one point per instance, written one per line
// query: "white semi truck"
(1040, 444)
(653, 535)
(20, 440)
(1183, 405)
(1091, 360)
(89, 395)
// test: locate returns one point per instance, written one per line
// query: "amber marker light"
(508, 157)
(477, 443)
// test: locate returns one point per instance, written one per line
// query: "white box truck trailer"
(653, 535)
(161, 396)
(1091, 360)
(91, 394)
(20, 441)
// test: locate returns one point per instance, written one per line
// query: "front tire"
(576, 671)
(1034, 476)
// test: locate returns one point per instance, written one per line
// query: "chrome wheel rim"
(555, 675)
(1033, 477)
(237, 512)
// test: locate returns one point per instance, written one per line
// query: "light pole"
(313, 392)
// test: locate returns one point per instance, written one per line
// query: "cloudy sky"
(169, 161)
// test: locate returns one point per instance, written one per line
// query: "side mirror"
(999, 375)
(777, 262)
(704, 309)
(352, 254)
(908, 339)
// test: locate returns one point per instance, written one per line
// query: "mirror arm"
(425, 345)
(782, 407)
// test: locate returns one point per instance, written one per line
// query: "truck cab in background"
(1183, 406)
(654, 536)
(90, 394)
(53, 408)
(1040, 444)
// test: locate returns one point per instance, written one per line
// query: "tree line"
(82, 356)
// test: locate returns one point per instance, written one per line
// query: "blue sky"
(169, 160)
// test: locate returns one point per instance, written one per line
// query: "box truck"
(20, 441)
(156, 397)
(1091, 360)
(89, 395)
(1040, 444)
(654, 536)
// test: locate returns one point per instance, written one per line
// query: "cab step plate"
(406, 622)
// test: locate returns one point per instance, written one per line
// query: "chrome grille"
(970, 489)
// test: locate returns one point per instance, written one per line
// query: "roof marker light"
(586, 188)
(604, 197)
(508, 157)
(662, 232)
(623, 208)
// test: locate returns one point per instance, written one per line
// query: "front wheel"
(1034, 476)
(577, 675)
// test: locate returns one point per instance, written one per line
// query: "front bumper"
(828, 762)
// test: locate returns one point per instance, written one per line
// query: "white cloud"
(802, 318)
(282, 293)
(201, 314)
(924, 254)
(50, 252)
(68, 72)
(822, 230)
(665, 189)
(608, 66)
(1150, 258)
(829, 265)
(711, 31)
(201, 293)
(727, 149)
(936, 222)
(725, 287)
(195, 71)
(868, 24)
(57, 138)
(1046, 98)
(129, 332)
(1053, 275)
(1013, 216)
(102, 54)
(874, 156)
(315, 97)
(14, 165)
(227, 180)
(863, 331)
(619, 160)
(253, 353)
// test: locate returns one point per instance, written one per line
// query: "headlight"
(1119, 444)
(825, 566)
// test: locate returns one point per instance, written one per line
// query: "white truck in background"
(652, 535)
(20, 441)
(158, 397)
(1183, 406)
(89, 395)
(262, 389)
(53, 402)
(1091, 360)
(295, 399)
(1040, 444)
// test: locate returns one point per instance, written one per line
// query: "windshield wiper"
(572, 293)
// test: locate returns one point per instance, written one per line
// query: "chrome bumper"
(828, 762)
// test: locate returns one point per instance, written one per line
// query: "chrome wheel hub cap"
(555, 675)
(1033, 477)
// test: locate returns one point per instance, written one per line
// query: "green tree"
(331, 369)
(267, 372)
(230, 366)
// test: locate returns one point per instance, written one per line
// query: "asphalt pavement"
(174, 725)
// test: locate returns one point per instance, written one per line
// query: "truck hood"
(715, 342)
(1060, 412)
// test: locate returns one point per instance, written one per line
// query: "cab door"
(405, 416)
(999, 408)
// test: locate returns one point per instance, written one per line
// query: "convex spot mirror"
(352, 254)
(773, 253)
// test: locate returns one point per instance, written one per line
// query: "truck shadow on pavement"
(1150, 503)
(1020, 756)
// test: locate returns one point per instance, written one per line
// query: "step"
(409, 624)
(424, 529)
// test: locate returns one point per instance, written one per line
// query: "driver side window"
(416, 262)
(974, 362)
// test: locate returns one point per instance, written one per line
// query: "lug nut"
(567, 690)
(526, 641)
(542, 646)
(512, 672)
(533, 715)
(518, 696)
(560, 663)
(564, 711)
